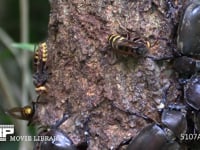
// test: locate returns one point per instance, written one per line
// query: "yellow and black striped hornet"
(40, 64)
(135, 47)
(41, 54)
(23, 113)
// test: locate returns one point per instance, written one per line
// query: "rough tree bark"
(95, 93)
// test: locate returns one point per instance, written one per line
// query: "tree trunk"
(95, 93)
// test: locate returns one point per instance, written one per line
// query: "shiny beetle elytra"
(187, 56)
(61, 140)
(186, 66)
(189, 32)
(192, 99)
(188, 41)
(162, 136)
(192, 92)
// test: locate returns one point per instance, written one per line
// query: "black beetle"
(188, 41)
(186, 66)
(162, 136)
(60, 140)
(192, 92)
(192, 99)
(186, 58)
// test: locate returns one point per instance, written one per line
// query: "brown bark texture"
(95, 93)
